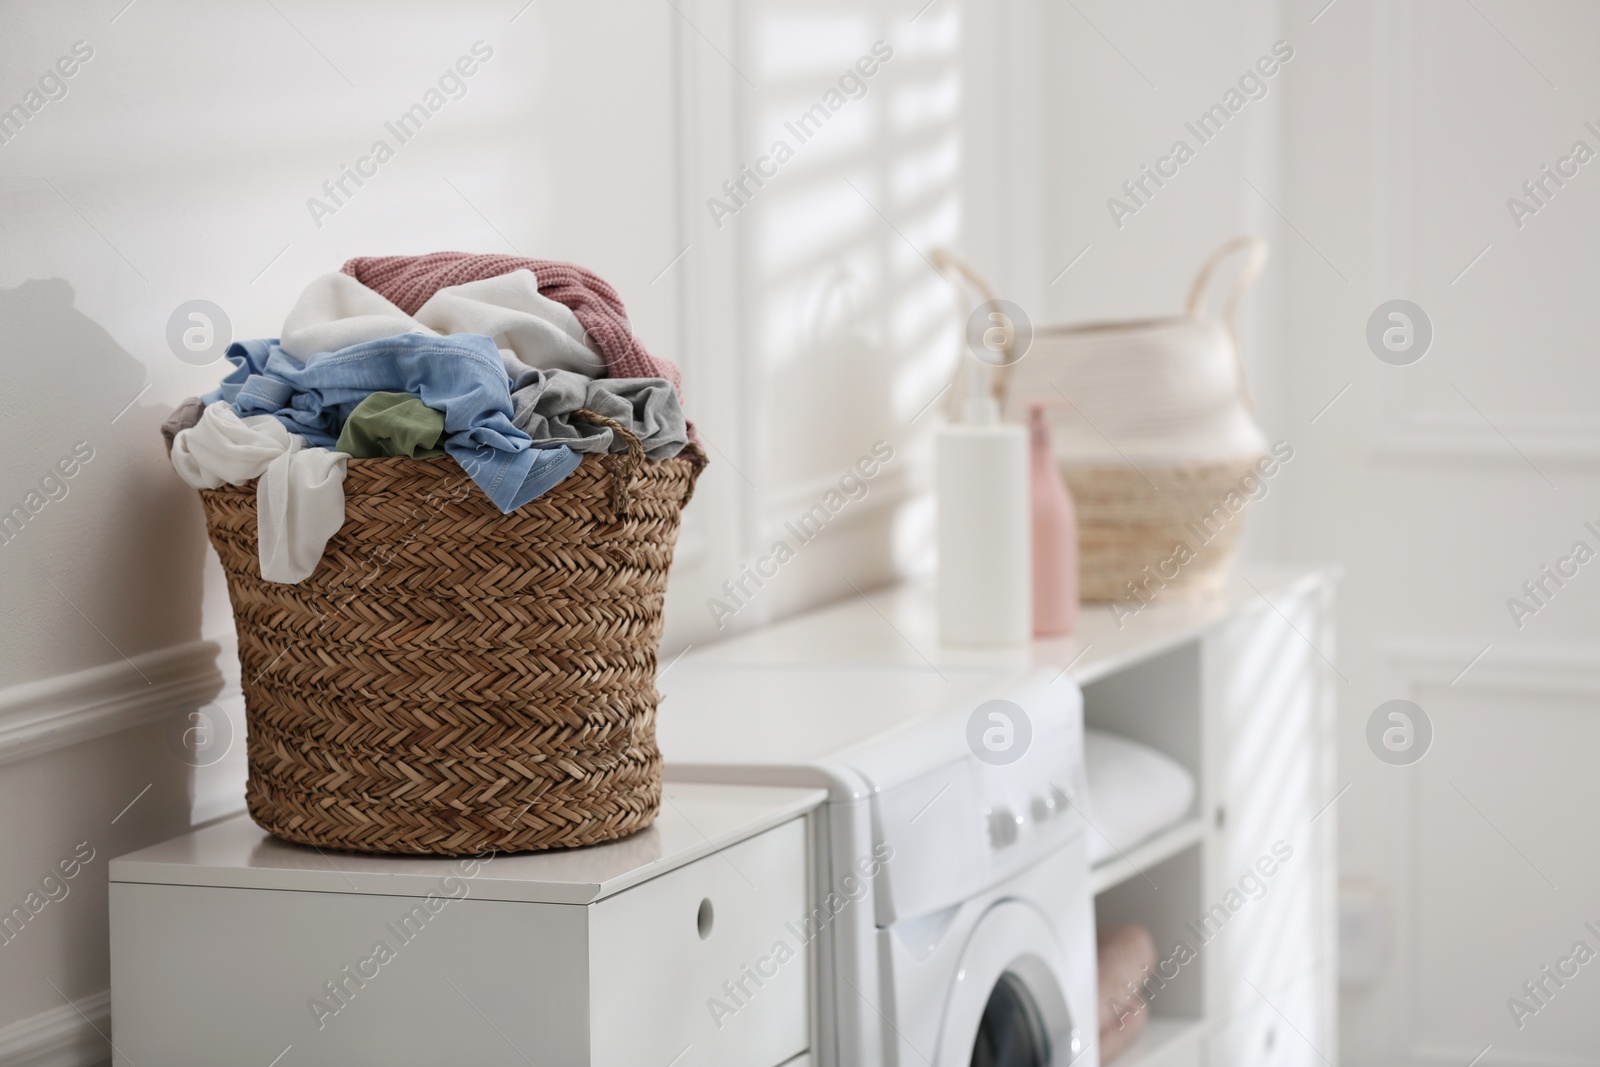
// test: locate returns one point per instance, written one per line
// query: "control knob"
(1003, 824)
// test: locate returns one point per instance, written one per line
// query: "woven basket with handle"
(1138, 493)
(1137, 507)
(452, 680)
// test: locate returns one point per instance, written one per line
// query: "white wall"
(1412, 125)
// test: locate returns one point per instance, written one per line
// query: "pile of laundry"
(484, 359)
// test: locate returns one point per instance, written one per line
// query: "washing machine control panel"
(1007, 793)
(1047, 804)
(967, 826)
(1020, 808)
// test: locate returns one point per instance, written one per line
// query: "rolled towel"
(1134, 792)
(1126, 955)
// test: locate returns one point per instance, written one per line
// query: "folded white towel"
(299, 494)
(1134, 792)
(335, 311)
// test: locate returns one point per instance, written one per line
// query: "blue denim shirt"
(461, 375)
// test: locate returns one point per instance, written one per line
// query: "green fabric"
(392, 424)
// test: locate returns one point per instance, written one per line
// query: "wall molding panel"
(1567, 673)
(61, 1037)
(885, 492)
(1569, 438)
(1552, 669)
(69, 709)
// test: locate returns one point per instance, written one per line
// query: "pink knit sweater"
(408, 282)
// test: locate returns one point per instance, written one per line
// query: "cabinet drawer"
(206, 975)
(710, 964)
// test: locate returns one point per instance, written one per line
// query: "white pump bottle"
(984, 525)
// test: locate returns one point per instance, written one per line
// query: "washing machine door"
(1006, 1007)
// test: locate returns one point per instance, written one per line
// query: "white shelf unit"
(1245, 703)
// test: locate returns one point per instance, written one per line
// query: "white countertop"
(695, 821)
(832, 697)
(898, 627)
(799, 714)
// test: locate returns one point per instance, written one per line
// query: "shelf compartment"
(1167, 1041)
(1147, 854)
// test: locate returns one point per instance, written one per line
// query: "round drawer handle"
(704, 918)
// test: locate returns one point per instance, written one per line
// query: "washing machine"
(954, 923)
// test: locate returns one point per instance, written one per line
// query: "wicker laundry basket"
(452, 680)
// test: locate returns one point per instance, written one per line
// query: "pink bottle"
(1055, 533)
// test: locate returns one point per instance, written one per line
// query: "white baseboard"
(68, 709)
(60, 1037)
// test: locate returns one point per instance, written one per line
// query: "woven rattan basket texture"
(452, 680)
(1130, 519)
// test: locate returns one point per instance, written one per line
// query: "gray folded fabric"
(183, 416)
(543, 403)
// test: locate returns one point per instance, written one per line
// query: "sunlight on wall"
(852, 330)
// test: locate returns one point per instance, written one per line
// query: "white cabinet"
(674, 946)
(1240, 896)
(1270, 720)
